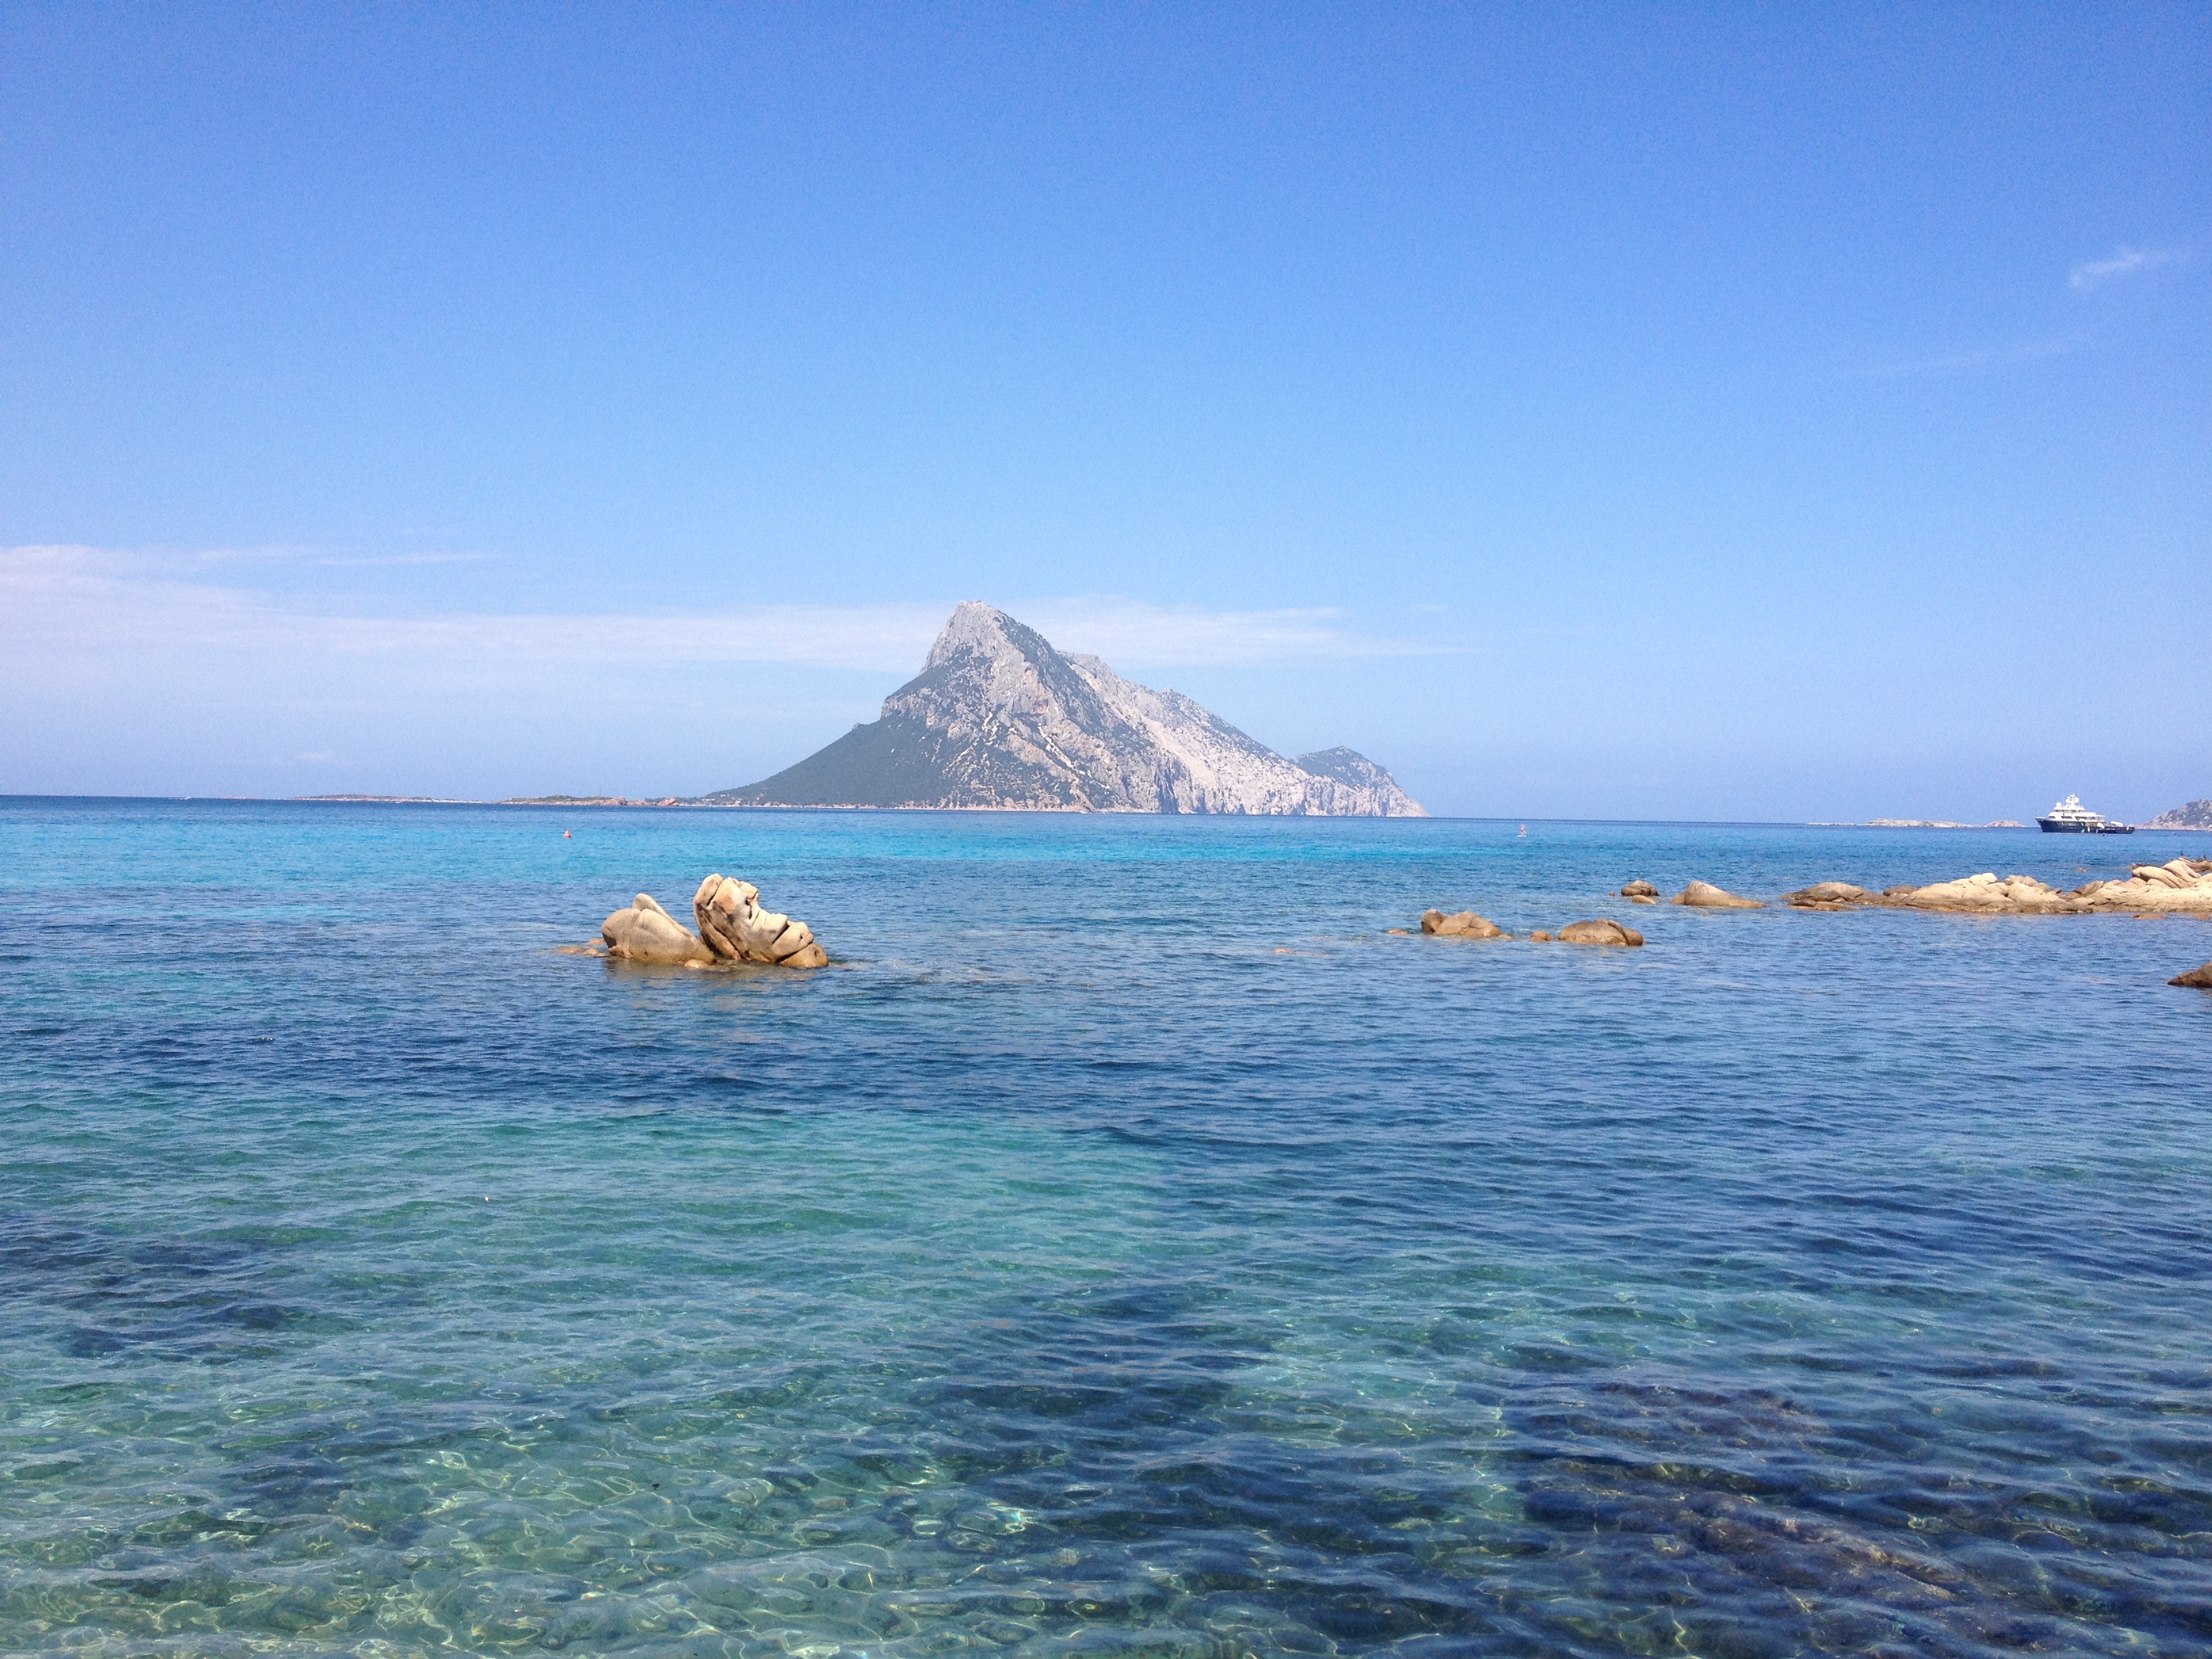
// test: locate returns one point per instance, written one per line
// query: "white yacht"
(2069, 817)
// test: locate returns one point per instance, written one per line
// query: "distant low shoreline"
(1918, 823)
(677, 802)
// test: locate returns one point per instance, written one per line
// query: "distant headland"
(2197, 815)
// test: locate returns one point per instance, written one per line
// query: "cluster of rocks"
(1465, 924)
(2180, 885)
(1698, 895)
(732, 928)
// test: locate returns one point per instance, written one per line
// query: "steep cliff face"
(996, 717)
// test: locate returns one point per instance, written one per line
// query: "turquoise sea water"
(1129, 1248)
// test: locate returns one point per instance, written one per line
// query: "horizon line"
(621, 803)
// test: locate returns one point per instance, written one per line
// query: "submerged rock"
(1603, 931)
(1461, 924)
(1690, 1485)
(646, 933)
(1704, 895)
(1539, 936)
(2199, 977)
(1826, 895)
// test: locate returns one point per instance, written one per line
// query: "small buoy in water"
(1524, 828)
(566, 834)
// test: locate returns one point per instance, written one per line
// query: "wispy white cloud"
(93, 605)
(80, 598)
(1981, 359)
(2123, 262)
(350, 561)
(1132, 634)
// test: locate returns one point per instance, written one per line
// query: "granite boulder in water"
(1704, 895)
(735, 928)
(1461, 924)
(1604, 931)
(732, 928)
(646, 933)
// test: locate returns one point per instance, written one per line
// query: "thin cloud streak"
(2123, 262)
(1983, 360)
(81, 603)
(1129, 633)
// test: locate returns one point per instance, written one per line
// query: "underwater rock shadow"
(167, 1299)
(1757, 1527)
(1118, 1428)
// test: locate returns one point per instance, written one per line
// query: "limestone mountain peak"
(1000, 718)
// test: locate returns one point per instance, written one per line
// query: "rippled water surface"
(1128, 1247)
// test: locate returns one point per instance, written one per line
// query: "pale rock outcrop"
(1643, 890)
(1461, 924)
(2179, 886)
(2176, 872)
(1704, 895)
(1603, 931)
(646, 933)
(2199, 977)
(1986, 891)
(735, 928)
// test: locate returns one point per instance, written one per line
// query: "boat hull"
(2060, 826)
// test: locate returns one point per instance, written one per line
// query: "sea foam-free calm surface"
(1128, 1249)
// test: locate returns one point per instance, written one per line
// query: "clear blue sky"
(1636, 410)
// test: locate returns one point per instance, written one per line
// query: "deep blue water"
(1129, 1248)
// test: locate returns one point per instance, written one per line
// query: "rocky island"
(999, 718)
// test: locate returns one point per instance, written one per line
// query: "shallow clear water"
(1128, 1249)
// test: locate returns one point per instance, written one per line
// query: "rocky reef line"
(2181, 885)
(733, 929)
